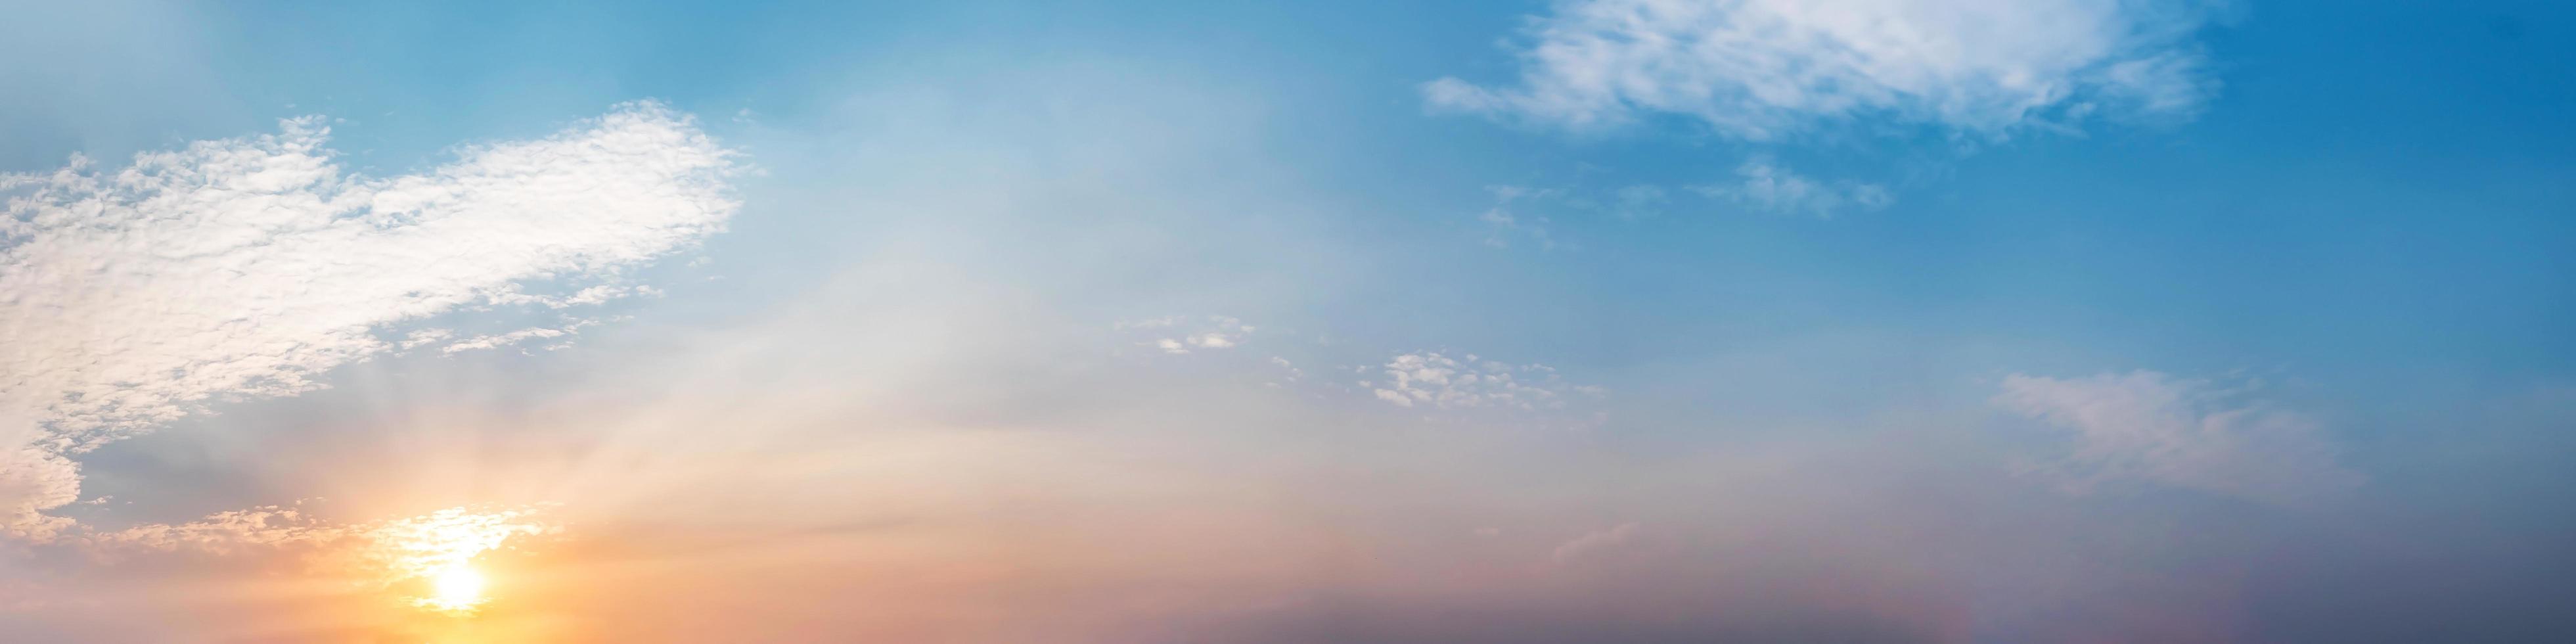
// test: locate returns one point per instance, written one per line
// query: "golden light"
(457, 588)
(436, 553)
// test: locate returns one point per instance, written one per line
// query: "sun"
(434, 557)
(456, 589)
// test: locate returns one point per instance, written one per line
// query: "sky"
(1581, 320)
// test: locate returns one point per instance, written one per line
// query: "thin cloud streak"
(1763, 70)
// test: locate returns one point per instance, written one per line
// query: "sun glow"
(436, 553)
(455, 589)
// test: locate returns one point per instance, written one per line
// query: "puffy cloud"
(1764, 69)
(2145, 426)
(33, 479)
(246, 267)
(1763, 185)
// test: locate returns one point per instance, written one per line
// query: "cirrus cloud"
(1764, 185)
(1179, 335)
(1431, 379)
(1765, 69)
(2149, 427)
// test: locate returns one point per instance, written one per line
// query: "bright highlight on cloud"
(2147, 427)
(247, 267)
(1767, 69)
(430, 559)
(439, 550)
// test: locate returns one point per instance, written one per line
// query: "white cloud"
(2145, 426)
(392, 551)
(1502, 226)
(1594, 541)
(501, 340)
(1148, 323)
(1212, 332)
(1294, 373)
(1763, 185)
(420, 337)
(1392, 396)
(1765, 69)
(246, 267)
(601, 294)
(33, 479)
(1435, 380)
(498, 340)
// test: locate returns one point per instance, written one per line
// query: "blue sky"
(1993, 320)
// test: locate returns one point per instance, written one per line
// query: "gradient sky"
(1591, 320)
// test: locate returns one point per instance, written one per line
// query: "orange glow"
(456, 589)
(436, 552)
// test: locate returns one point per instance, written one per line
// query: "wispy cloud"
(1593, 542)
(1179, 335)
(387, 553)
(2145, 426)
(1435, 380)
(498, 340)
(1503, 225)
(248, 267)
(1765, 69)
(1764, 185)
